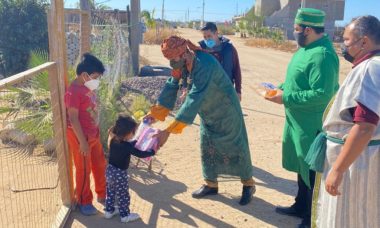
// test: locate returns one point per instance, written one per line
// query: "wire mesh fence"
(30, 179)
(109, 38)
(109, 41)
(35, 175)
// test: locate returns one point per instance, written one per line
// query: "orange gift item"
(266, 89)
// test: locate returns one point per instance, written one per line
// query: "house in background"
(281, 13)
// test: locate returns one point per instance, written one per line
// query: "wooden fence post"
(135, 35)
(58, 80)
(85, 27)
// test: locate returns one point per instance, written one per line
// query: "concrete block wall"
(284, 18)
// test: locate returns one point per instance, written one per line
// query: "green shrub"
(29, 106)
(109, 108)
(23, 28)
(226, 29)
(139, 107)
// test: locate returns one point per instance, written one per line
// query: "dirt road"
(163, 198)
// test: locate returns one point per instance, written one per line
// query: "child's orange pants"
(94, 161)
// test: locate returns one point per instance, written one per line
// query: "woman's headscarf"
(175, 46)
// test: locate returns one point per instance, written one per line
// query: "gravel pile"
(150, 87)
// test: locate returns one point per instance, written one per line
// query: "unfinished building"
(281, 13)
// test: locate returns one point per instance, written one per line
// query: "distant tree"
(149, 18)
(253, 21)
(23, 28)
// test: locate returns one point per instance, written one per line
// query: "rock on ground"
(150, 87)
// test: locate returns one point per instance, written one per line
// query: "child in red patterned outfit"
(83, 133)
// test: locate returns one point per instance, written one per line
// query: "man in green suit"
(311, 81)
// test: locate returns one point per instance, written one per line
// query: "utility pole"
(203, 15)
(85, 27)
(303, 3)
(188, 14)
(163, 12)
(135, 35)
(237, 8)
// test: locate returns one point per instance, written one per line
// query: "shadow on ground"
(174, 208)
(157, 184)
(270, 181)
(259, 209)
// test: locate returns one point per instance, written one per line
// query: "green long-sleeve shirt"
(311, 81)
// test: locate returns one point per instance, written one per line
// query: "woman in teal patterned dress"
(209, 93)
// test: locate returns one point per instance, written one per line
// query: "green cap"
(310, 17)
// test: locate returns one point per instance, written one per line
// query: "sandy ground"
(24, 171)
(27, 170)
(163, 197)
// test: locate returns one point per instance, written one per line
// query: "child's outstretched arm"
(142, 154)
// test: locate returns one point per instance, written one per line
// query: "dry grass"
(338, 48)
(156, 36)
(226, 30)
(144, 61)
(287, 46)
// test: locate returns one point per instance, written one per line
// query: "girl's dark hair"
(123, 126)
(90, 64)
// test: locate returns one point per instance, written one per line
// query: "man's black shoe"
(247, 194)
(204, 191)
(302, 225)
(306, 223)
(290, 211)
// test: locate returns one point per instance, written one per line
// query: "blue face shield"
(210, 43)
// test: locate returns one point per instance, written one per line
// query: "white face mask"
(92, 84)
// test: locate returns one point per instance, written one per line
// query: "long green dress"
(224, 141)
(311, 81)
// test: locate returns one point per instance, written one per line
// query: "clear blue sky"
(222, 10)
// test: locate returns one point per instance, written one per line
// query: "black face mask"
(300, 37)
(177, 64)
(346, 55)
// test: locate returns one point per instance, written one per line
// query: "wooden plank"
(25, 75)
(85, 27)
(59, 125)
(58, 79)
(75, 11)
(57, 39)
(61, 217)
(129, 27)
